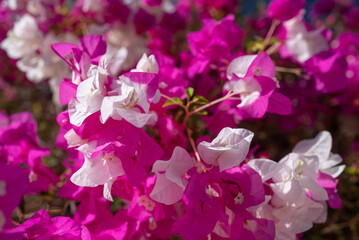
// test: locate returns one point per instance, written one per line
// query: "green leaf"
(173, 101)
(117, 204)
(190, 92)
(201, 100)
(203, 112)
(273, 40)
(255, 46)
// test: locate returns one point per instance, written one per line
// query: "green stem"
(227, 96)
(172, 100)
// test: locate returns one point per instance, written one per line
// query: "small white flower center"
(200, 167)
(257, 71)
(350, 59)
(152, 225)
(175, 132)
(162, 85)
(210, 191)
(277, 84)
(239, 198)
(349, 74)
(109, 157)
(2, 188)
(32, 177)
(145, 202)
(2, 220)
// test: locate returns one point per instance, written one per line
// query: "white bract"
(264, 167)
(251, 65)
(127, 100)
(248, 88)
(92, 6)
(32, 48)
(242, 73)
(74, 140)
(116, 59)
(292, 218)
(320, 147)
(295, 218)
(171, 182)
(13, 4)
(298, 200)
(147, 64)
(43, 63)
(23, 39)
(90, 94)
(239, 66)
(300, 42)
(296, 175)
(36, 7)
(228, 149)
(34, 66)
(125, 37)
(100, 170)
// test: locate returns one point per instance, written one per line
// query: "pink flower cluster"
(151, 122)
(19, 146)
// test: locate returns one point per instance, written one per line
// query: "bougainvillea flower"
(41, 225)
(91, 48)
(13, 182)
(170, 185)
(295, 218)
(320, 147)
(228, 149)
(130, 98)
(19, 145)
(89, 95)
(302, 43)
(24, 38)
(147, 64)
(253, 78)
(251, 65)
(328, 70)
(285, 9)
(209, 194)
(216, 40)
(297, 174)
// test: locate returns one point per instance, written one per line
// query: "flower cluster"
(155, 100)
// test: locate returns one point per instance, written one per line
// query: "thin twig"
(270, 32)
(272, 49)
(227, 96)
(172, 100)
(193, 145)
(296, 71)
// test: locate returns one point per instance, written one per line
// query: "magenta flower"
(328, 70)
(171, 181)
(79, 58)
(214, 42)
(19, 145)
(285, 9)
(13, 183)
(228, 149)
(253, 78)
(41, 225)
(130, 99)
(217, 198)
